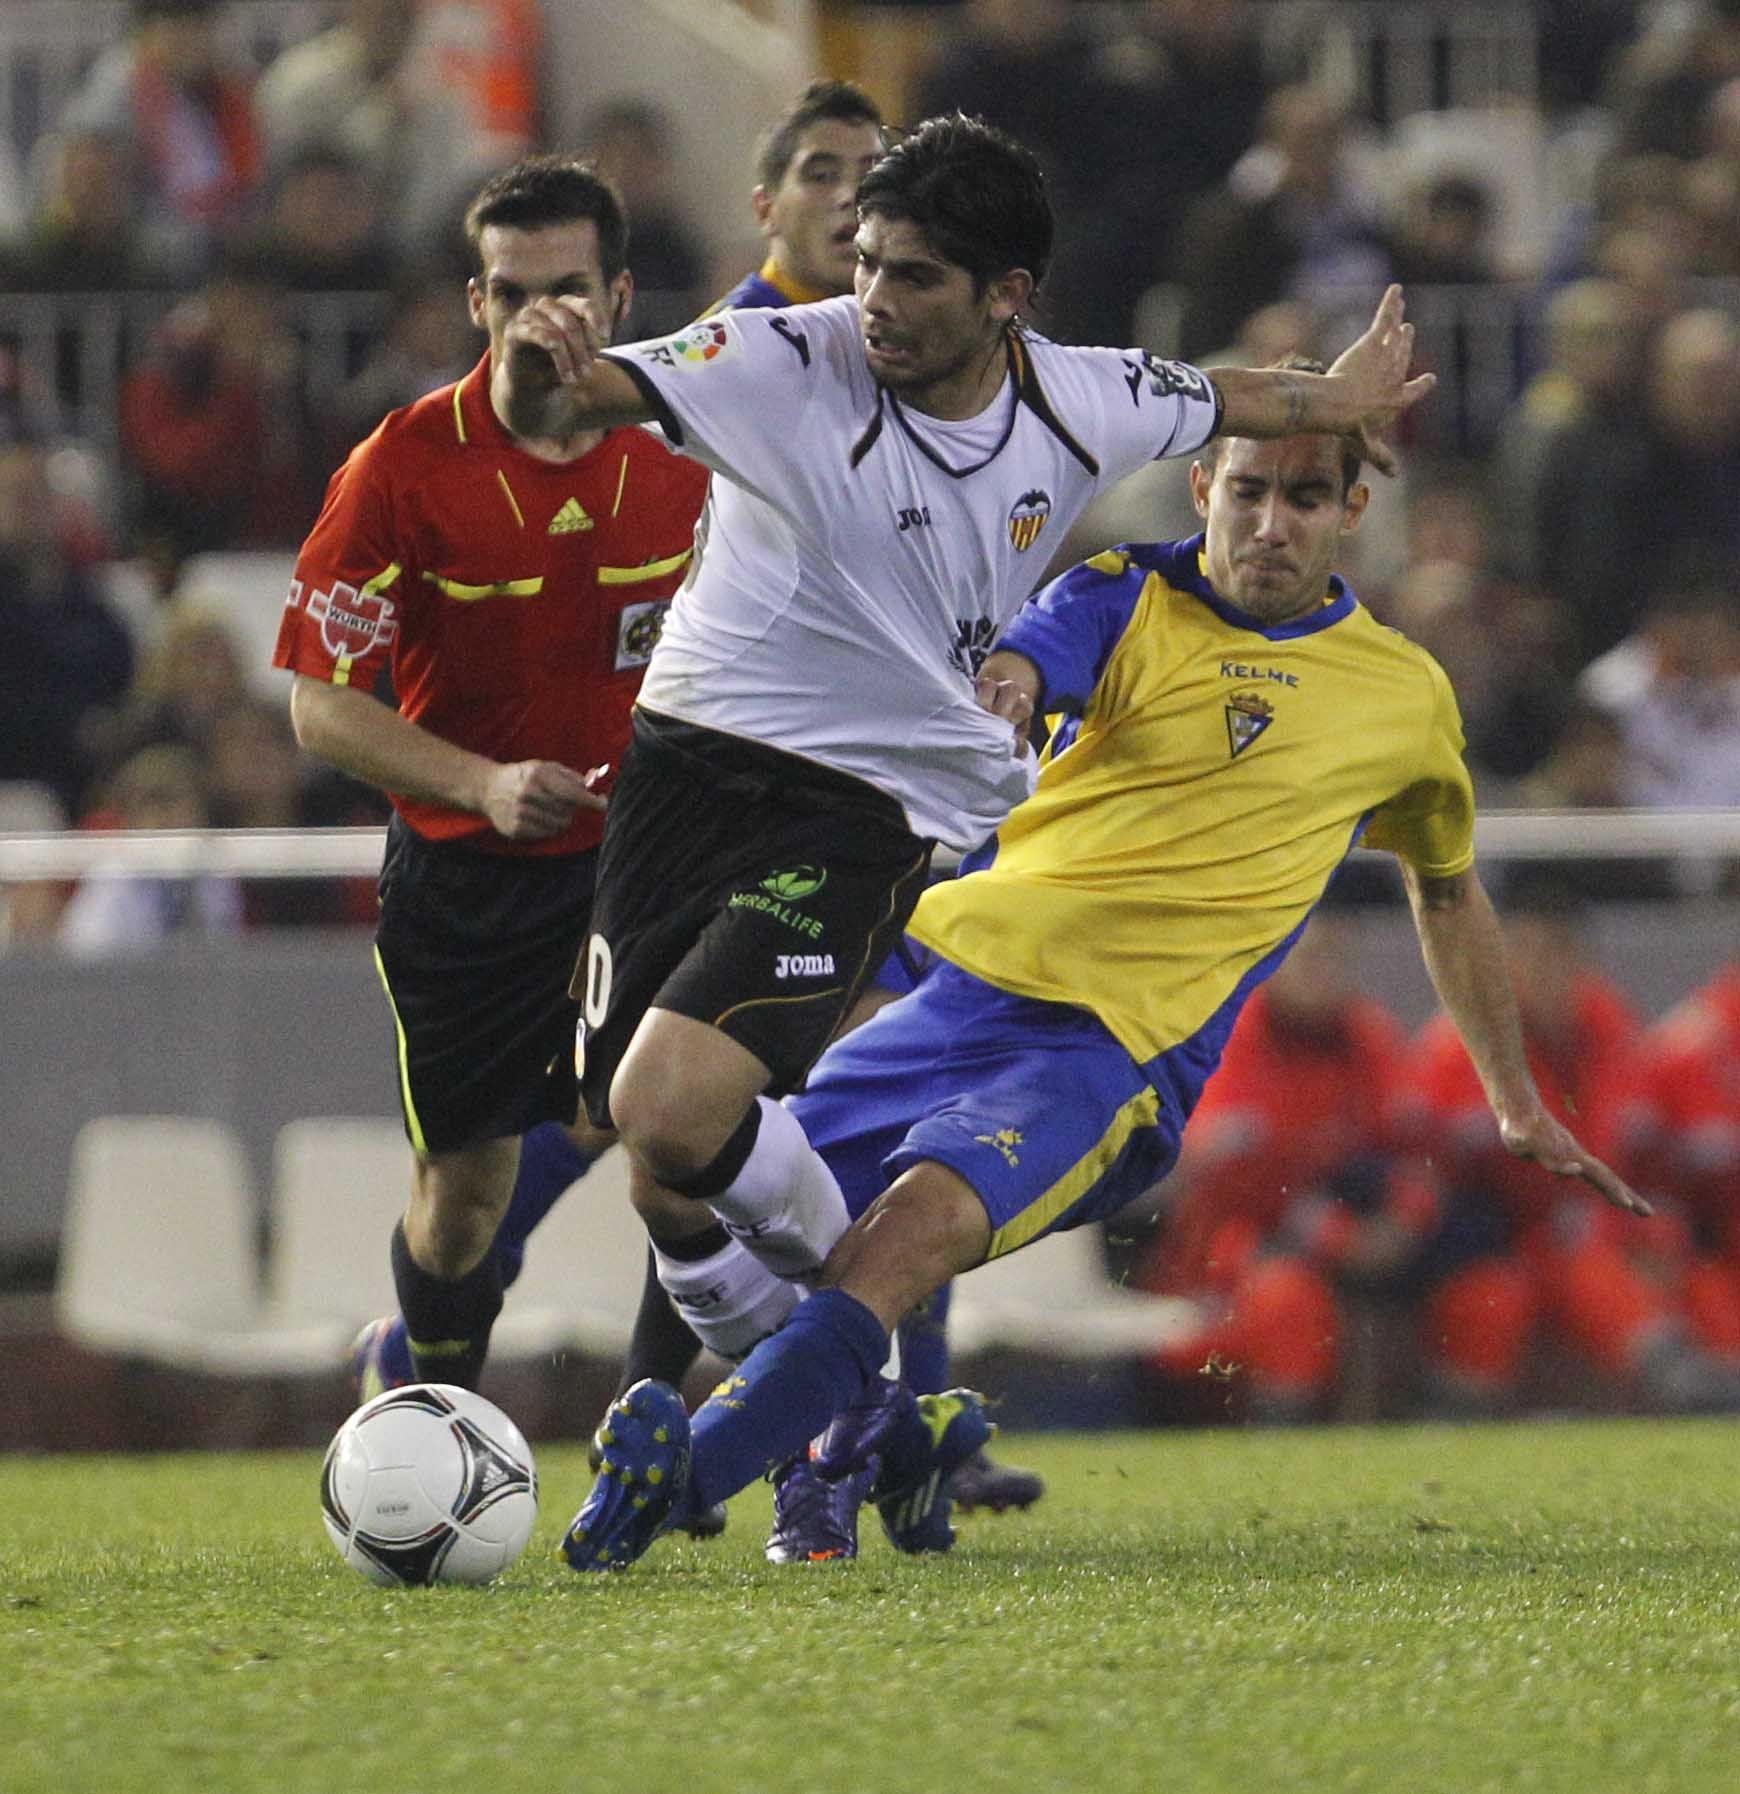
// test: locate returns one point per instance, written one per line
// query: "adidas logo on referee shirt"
(569, 519)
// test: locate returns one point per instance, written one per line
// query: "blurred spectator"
(1623, 492)
(1605, 1284)
(214, 424)
(1579, 40)
(1595, 357)
(360, 91)
(86, 235)
(1289, 222)
(191, 675)
(1500, 643)
(320, 233)
(158, 788)
(489, 53)
(1677, 1136)
(428, 342)
(1663, 83)
(1444, 234)
(68, 657)
(257, 777)
(1672, 689)
(1288, 1188)
(186, 126)
(630, 140)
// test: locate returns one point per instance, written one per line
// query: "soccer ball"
(429, 1483)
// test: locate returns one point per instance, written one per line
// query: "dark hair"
(546, 190)
(1351, 463)
(977, 194)
(821, 100)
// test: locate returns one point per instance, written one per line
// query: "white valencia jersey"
(857, 559)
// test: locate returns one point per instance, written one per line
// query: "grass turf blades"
(1531, 1607)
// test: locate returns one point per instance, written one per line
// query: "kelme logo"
(799, 882)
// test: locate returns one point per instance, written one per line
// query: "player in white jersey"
(813, 720)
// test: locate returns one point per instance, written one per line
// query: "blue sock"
(549, 1163)
(784, 1393)
(924, 1345)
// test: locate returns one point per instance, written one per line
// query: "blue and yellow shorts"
(1034, 1104)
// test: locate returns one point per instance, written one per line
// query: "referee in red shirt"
(514, 586)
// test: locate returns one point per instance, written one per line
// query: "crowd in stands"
(1223, 195)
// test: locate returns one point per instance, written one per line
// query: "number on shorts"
(598, 971)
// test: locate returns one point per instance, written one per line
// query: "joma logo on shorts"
(803, 965)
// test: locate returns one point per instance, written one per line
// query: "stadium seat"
(1055, 1297)
(158, 1257)
(583, 1271)
(338, 1184)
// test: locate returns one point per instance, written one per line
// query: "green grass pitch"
(1436, 1611)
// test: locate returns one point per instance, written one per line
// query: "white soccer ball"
(429, 1483)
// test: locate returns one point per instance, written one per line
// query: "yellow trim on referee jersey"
(628, 576)
(502, 588)
(513, 503)
(371, 588)
(458, 412)
(411, 1119)
(621, 481)
(1141, 1110)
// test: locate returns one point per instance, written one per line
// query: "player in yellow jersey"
(1236, 723)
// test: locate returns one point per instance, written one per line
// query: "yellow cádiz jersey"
(1189, 815)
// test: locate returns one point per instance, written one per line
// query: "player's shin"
(448, 1322)
(782, 1202)
(785, 1392)
(728, 1297)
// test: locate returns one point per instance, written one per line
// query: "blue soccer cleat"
(814, 1520)
(380, 1358)
(643, 1479)
(934, 1436)
(856, 1435)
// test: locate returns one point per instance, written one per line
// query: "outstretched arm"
(1464, 951)
(1366, 389)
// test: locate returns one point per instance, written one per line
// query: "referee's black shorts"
(745, 887)
(476, 950)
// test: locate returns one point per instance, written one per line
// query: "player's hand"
(1375, 369)
(1007, 699)
(559, 329)
(531, 800)
(1551, 1144)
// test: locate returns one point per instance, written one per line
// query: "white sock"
(730, 1299)
(784, 1205)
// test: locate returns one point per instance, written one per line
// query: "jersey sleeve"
(344, 608)
(1430, 822)
(1148, 408)
(733, 389)
(1071, 627)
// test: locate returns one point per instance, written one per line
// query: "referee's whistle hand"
(531, 800)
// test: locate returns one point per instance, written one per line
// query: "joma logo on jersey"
(803, 965)
(1027, 517)
(1248, 714)
(913, 517)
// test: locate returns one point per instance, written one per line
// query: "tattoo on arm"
(1293, 392)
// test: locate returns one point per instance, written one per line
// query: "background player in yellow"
(1237, 723)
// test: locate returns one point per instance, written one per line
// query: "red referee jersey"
(517, 601)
